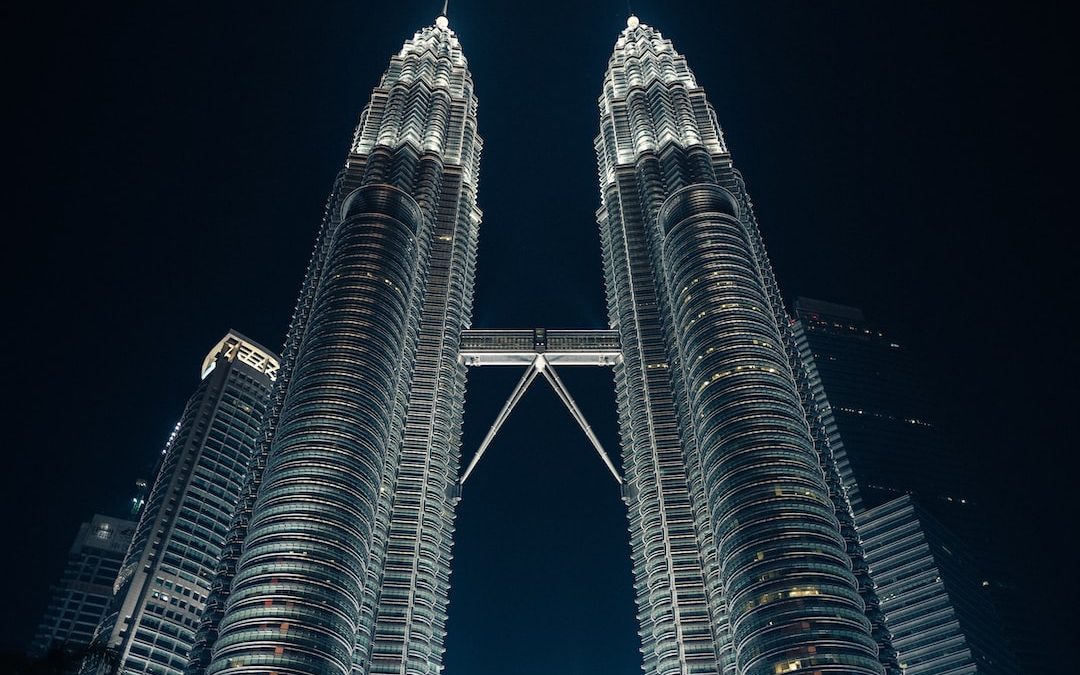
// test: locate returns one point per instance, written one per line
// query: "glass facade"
(79, 602)
(942, 620)
(162, 587)
(881, 412)
(898, 469)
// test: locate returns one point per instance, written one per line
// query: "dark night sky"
(169, 163)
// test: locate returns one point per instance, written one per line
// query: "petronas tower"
(741, 535)
(340, 552)
(742, 542)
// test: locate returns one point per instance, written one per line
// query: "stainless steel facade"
(161, 589)
(339, 559)
(738, 555)
(942, 621)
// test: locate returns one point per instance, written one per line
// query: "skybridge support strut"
(522, 386)
(553, 379)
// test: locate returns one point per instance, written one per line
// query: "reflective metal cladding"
(739, 561)
(340, 555)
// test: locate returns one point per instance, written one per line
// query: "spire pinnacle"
(442, 21)
(632, 22)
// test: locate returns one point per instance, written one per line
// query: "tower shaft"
(739, 562)
(339, 557)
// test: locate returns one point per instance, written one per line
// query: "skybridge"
(539, 350)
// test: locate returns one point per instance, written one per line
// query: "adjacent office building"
(932, 593)
(79, 602)
(883, 420)
(161, 588)
(925, 546)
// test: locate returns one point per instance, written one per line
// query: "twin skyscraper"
(743, 544)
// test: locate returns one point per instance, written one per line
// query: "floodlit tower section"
(738, 556)
(339, 556)
(425, 107)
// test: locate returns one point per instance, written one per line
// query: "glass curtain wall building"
(942, 620)
(161, 590)
(882, 418)
(339, 558)
(79, 602)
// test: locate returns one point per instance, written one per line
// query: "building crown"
(236, 347)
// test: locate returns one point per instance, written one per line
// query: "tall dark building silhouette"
(79, 602)
(884, 421)
(927, 546)
(743, 540)
(167, 572)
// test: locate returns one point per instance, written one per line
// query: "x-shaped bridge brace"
(540, 350)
